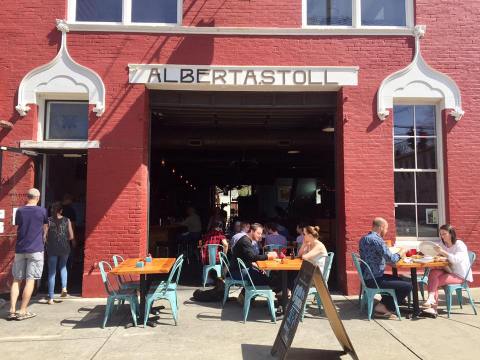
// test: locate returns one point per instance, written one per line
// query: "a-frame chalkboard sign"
(309, 273)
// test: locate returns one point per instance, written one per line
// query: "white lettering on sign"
(198, 76)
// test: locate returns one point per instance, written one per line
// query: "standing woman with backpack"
(60, 234)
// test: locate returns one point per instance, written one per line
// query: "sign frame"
(309, 273)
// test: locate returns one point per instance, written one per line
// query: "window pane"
(329, 12)
(404, 187)
(99, 10)
(67, 121)
(383, 12)
(425, 120)
(405, 220)
(427, 221)
(404, 153)
(426, 154)
(154, 11)
(426, 187)
(403, 120)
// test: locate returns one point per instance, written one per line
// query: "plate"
(394, 250)
(427, 248)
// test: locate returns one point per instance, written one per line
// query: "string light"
(163, 162)
(173, 171)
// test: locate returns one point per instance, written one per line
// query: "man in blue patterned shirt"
(375, 253)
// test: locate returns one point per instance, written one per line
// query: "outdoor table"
(287, 265)
(413, 266)
(157, 266)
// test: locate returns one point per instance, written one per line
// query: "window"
(126, 11)
(358, 13)
(66, 120)
(415, 171)
(384, 12)
(329, 12)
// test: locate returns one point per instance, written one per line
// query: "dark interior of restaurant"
(260, 156)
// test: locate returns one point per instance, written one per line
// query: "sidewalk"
(71, 330)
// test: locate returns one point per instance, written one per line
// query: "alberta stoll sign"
(202, 76)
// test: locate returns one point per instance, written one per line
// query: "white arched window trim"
(419, 82)
(61, 77)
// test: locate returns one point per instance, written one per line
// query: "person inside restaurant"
(273, 237)
(456, 253)
(375, 253)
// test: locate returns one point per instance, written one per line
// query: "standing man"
(32, 226)
(375, 253)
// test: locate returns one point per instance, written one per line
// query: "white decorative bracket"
(63, 76)
(419, 81)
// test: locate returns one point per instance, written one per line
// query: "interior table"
(285, 266)
(413, 266)
(157, 266)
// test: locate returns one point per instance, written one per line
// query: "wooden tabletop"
(157, 266)
(288, 264)
(402, 264)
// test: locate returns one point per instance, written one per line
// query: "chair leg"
(448, 297)
(133, 311)
(107, 312)
(205, 273)
(246, 306)
(422, 291)
(460, 297)
(173, 306)
(362, 298)
(471, 301)
(319, 302)
(272, 308)
(148, 305)
(369, 306)
(226, 291)
(397, 310)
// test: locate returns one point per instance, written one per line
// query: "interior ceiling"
(233, 135)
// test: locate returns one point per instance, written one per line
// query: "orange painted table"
(413, 266)
(157, 266)
(286, 265)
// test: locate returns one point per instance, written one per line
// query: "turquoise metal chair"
(129, 295)
(458, 288)
(369, 293)
(326, 274)
(212, 261)
(123, 281)
(165, 290)
(229, 280)
(252, 291)
(173, 284)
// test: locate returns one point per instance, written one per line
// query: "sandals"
(12, 316)
(387, 315)
(27, 315)
(64, 293)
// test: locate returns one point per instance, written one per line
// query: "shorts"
(28, 266)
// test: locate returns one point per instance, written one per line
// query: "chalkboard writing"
(286, 333)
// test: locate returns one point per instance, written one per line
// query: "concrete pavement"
(71, 330)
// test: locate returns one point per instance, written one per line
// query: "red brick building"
(398, 80)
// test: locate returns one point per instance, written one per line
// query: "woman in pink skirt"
(457, 255)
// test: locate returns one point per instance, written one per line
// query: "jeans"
(52, 270)
(402, 289)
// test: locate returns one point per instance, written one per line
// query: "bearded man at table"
(244, 250)
(375, 253)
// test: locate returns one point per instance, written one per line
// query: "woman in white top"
(312, 248)
(459, 263)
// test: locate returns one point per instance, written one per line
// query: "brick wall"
(117, 172)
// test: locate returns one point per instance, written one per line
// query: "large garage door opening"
(265, 157)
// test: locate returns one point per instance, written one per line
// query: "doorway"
(62, 177)
(260, 156)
